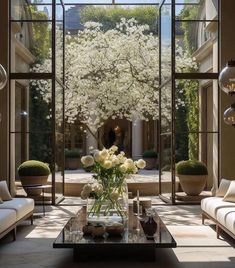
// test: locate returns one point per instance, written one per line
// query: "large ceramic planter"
(72, 163)
(192, 184)
(106, 211)
(33, 180)
(151, 163)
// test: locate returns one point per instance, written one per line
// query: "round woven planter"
(33, 180)
(192, 184)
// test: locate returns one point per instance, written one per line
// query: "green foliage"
(189, 13)
(39, 110)
(191, 93)
(40, 34)
(33, 168)
(191, 167)
(191, 113)
(74, 153)
(109, 16)
(181, 142)
(149, 154)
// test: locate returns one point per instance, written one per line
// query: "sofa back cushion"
(223, 187)
(4, 192)
(230, 195)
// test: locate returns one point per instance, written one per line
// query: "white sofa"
(221, 212)
(13, 212)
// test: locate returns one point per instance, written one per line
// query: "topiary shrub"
(149, 154)
(33, 168)
(191, 167)
(74, 153)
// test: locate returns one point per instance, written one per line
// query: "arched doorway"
(117, 132)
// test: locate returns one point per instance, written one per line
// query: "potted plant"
(150, 157)
(33, 172)
(192, 176)
(72, 158)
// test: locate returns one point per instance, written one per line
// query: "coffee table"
(133, 244)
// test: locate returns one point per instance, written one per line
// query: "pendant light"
(3, 77)
(227, 78)
(229, 115)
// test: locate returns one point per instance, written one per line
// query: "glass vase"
(106, 210)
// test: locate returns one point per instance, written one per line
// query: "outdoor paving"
(81, 176)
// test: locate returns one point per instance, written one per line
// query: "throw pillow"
(4, 192)
(223, 187)
(1, 200)
(230, 195)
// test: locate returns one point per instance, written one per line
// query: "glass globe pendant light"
(3, 77)
(227, 78)
(229, 115)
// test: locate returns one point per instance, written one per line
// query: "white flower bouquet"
(110, 171)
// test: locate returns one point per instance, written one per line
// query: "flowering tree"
(112, 74)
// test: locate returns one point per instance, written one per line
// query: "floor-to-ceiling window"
(106, 89)
(36, 30)
(189, 40)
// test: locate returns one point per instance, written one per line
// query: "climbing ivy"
(190, 87)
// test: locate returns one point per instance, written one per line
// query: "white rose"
(141, 163)
(98, 188)
(121, 158)
(123, 168)
(87, 161)
(129, 164)
(135, 170)
(84, 195)
(115, 160)
(129, 161)
(114, 195)
(104, 154)
(113, 148)
(107, 164)
(97, 157)
(87, 188)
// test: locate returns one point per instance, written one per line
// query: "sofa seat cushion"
(211, 205)
(226, 217)
(7, 218)
(22, 206)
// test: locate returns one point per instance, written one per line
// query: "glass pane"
(59, 105)
(59, 164)
(42, 1)
(19, 152)
(166, 107)
(87, 2)
(31, 106)
(22, 11)
(59, 40)
(187, 1)
(59, 12)
(196, 105)
(137, 2)
(205, 10)
(195, 47)
(32, 46)
(40, 147)
(75, 137)
(166, 165)
(166, 43)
